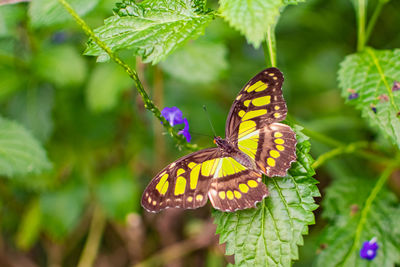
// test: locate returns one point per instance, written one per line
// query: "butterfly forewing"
(252, 124)
(260, 101)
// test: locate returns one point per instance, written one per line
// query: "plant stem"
(361, 13)
(148, 103)
(93, 240)
(270, 47)
(374, 17)
(358, 148)
(367, 207)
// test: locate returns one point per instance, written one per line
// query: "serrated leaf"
(61, 65)
(152, 29)
(62, 209)
(251, 18)
(29, 228)
(118, 194)
(269, 235)
(105, 86)
(20, 152)
(49, 12)
(369, 76)
(197, 62)
(343, 203)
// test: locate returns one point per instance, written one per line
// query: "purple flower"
(174, 116)
(369, 249)
(185, 131)
(396, 86)
(353, 96)
(373, 108)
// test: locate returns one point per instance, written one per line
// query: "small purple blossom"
(185, 131)
(396, 86)
(373, 108)
(369, 249)
(174, 116)
(353, 96)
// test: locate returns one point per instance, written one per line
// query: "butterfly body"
(230, 175)
(228, 148)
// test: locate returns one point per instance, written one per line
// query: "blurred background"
(105, 147)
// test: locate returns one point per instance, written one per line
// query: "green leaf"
(32, 108)
(20, 152)
(343, 204)
(292, 2)
(371, 74)
(61, 65)
(269, 234)
(251, 18)
(197, 62)
(118, 194)
(10, 82)
(152, 28)
(105, 86)
(10, 17)
(62, 209)
(49, 12)
(29, 227)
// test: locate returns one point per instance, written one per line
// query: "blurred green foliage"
(75, 137)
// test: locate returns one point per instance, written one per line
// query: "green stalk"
(361, 17)
(374, 17)
(93, 240)
(270, 47)
(148, 103)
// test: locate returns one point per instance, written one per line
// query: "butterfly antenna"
(209, 120)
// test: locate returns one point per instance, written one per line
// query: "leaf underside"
(152, 28)
(371, 74)
(269, 234)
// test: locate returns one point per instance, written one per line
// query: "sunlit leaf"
(270, 234)
(151, 28)
(61, 65)
(49, 12)
(366, 80)
(29, 227)
(62, 209)
(118, 193)
(32, 108)
(197, 62)
(105, 86)
(20, 152)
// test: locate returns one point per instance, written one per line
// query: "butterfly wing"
(187, 182)
(252, 124)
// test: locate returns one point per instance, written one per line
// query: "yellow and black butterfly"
(230, 174)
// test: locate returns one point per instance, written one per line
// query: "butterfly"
(230, 175)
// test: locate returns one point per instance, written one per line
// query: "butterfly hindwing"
(272, 147)
(239, 191)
